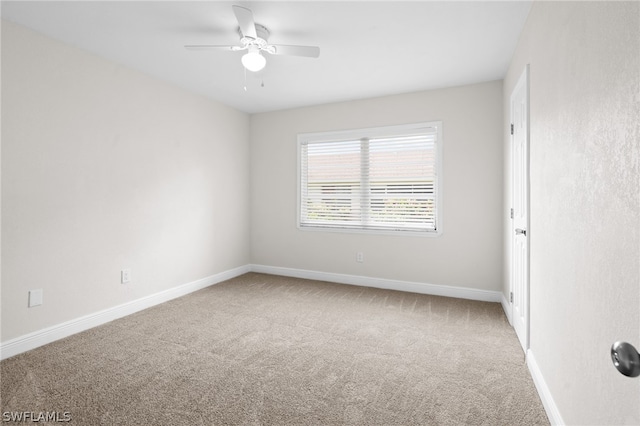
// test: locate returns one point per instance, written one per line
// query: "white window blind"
(383, 179)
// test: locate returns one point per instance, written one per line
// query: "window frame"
(372, 133)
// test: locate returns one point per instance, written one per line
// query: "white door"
(520, 199)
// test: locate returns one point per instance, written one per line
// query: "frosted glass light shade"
(253, 61)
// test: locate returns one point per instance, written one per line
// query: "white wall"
(467, 254)
(0, 179)
(104, 168)
(585, 201)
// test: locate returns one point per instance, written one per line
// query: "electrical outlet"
(359, 257)
(35, 298)
(125, 276)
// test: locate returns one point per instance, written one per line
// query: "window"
(385, 179)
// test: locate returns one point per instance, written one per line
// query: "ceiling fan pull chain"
(245, 79)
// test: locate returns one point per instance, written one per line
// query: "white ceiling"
(367, 48)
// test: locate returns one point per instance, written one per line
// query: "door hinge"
(511, 297)
(511, 213)
(511, 128)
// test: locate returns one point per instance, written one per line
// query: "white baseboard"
(59, 331)
(543, 390)
(507, 308)
(413, 287)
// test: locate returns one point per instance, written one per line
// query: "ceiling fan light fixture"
(254, 39)
(253, 60)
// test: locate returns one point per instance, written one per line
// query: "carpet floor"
(263, 349)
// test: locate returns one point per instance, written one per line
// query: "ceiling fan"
(254, 39)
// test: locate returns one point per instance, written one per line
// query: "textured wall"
(104, 168)
(467, 254)
(585, 201)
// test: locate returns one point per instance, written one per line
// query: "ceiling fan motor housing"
(261, 31)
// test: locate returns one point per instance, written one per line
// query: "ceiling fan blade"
(245, 20)
(212, 47)
(308, 51)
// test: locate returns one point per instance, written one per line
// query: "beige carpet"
(261, 349)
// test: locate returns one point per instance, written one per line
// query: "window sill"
(395, 233)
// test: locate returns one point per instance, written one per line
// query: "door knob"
(521, 232)
(626, 359)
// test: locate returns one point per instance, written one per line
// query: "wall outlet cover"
(35, 297)
(125, 276)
